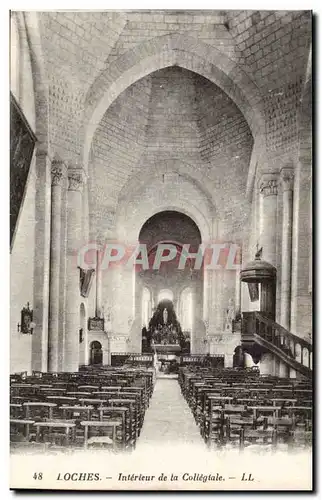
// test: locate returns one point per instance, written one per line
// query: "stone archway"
(135, 204)
(301, 303)
(96, 353)
(173, 50)
(167, 227)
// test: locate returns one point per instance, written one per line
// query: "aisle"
(169, 419)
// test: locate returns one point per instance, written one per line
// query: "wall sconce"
(26, 325)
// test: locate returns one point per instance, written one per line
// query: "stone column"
(284, 371)
(74, 233)
(39, 357)
(193, 339)
(58, 170)
(98, 308)
(268, 216)
(238, 293)
(62, 279)
(287, 177)
(238, 285)
(248, 360)
(266, 364)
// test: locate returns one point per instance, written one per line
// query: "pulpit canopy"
(257, 271)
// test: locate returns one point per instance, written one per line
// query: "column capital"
(287, 178)
(76, 178)
(58, 171)
(268, 184)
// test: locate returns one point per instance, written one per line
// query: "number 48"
(37, 475)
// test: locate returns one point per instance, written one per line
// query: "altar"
(164, 335)
(167, 348)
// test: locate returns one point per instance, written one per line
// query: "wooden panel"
(22, 143)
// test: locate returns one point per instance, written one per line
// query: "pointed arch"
(173, 50)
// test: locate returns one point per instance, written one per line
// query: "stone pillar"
(268, 216)
(283, 370)
(193, 339)
(98, 308)
(238, 293)
(248, 360)
(238, 285)
(57, 174)
(74, 233)
(39, 359)
(62, 280)
(287, 177)
(266, 364)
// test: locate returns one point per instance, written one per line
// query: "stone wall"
(22, 258)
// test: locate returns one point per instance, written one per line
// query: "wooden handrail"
(298, 340)
(264, 331)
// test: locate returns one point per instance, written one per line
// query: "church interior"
(160, 229)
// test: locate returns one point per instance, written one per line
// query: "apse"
(168, 282)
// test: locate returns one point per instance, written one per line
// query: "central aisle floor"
(168, 418)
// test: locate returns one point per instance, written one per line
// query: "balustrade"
(296, 349)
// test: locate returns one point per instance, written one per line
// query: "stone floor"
(168, 418)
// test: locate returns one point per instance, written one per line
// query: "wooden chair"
(20, 430)
(213, 427)
(96, 402)
(233, 415)
(16, 410)
(131, 405)
(123, 434)
(250, 437)
(108, 388)
(264, 411)
(39, 410)
(76, 412)
(62, 400)
(52, 391)
(283, 427)
(55, 432)
(78, 395)
(88, 388)
(101, 434)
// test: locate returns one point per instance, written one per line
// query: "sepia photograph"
(161, 250)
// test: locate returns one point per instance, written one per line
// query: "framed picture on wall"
(96, 324)
(26, 323)
(22, 143)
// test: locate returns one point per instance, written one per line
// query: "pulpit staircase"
(260, 334)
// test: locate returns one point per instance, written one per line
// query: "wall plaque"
(96, 324)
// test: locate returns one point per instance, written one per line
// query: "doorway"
(96, 353)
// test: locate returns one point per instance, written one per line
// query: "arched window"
(146, 307)
(165, 295)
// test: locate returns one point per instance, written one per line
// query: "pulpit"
(261, 279)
